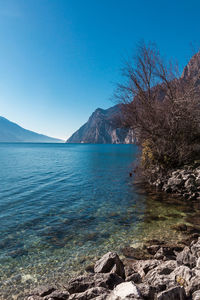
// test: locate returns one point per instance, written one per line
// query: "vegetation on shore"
(163, 110)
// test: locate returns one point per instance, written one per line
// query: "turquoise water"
(63, 205)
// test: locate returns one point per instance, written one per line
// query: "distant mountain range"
(13, 133)
(102, 128)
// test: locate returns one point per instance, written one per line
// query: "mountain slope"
(102, 128)
(11, 132)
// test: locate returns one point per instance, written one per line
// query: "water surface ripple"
(62, 205)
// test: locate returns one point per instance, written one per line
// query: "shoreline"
(157, 271)
(146, 248)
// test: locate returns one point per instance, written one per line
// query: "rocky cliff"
(102, 128)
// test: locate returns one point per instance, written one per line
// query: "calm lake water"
(63, 205)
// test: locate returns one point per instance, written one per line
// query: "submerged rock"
(57, 295)
(43, 290)
(135, 253)
(177, 279)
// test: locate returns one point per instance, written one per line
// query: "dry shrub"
(163, 111)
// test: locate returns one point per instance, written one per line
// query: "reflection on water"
(62, 206)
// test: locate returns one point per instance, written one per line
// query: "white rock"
(125, 290)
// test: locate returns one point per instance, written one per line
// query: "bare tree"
(162, 109)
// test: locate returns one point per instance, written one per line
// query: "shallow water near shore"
(64, 205)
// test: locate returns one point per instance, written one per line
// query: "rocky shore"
(156, 271)
(184, 182)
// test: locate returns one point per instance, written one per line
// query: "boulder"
(182, 275)
(110, 263)
(159, 282)
(195, 248)
(84, 282)
(174, 293)
(164, 268)
(125, 290)
(159, 277)
(186, 257)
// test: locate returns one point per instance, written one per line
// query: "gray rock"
(196, 295)
(135, 277)
(144, 266)
(125, 290)
(164, 268)
(190, 183)
(194, 284)
(84, 282)
(182, 276)
(186, 257)
(92, 293)
(147, 291)
(128, 271)
(159, 282)
(167, 252)
(195, 248)
(182, 272)
(57, 295)
(159, 277)
(110, 262)
(174, 293)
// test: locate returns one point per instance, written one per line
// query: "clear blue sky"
(59, 59)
